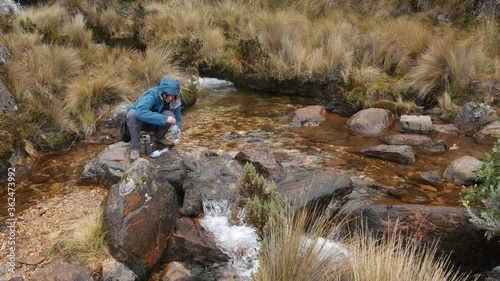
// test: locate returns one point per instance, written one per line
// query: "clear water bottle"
(159, 152)
(175, 134)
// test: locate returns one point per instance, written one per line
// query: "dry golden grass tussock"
(489, 33)
(20, 43)
(174, 19)
(369, 78)
(113, 23)
(54, 65)
(74, 6)
(232, 15)
(76, 31)
(447, 65)
(47, 19)
(292, 57)
(297, 250)
(85, 244)
(151, 67)
(395, 258)
(213, 42)
(274, 28)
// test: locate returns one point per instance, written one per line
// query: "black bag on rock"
(124, 132)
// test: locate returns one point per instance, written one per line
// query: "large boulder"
(191, 243)
(139, 217)
(305, 187)
(309, 116)
(462, 170)
(397, 153)
(470, 117)
(448, 227)
(107, 167)
(372, 121)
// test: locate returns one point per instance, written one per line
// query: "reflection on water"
(229, 118)
(51, 174)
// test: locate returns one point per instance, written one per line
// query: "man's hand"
(171, 120)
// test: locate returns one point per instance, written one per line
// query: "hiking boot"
(165, 142)
(135, 154)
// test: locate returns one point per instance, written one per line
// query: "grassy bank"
(71, 60)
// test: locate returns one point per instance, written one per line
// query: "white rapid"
(241, 243)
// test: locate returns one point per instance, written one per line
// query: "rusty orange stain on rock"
(131, 202)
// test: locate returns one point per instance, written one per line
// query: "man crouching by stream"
(155, 110)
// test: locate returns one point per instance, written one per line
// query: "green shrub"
(483, 201)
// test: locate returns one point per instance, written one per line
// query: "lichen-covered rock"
(139, 217)
(470, 117)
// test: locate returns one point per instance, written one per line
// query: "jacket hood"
(170, 86)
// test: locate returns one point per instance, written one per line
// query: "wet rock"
(406, 139)
(63, 271)
(304, 187)
(432, 177)
(470, 117)
(115, 271)
(448, 227)
(462, 170)
(397, 153)
(192, 205)
(309, 116)
(139, 217)
(171, 168)
(107, 167)
(415, 124)
(263, 161)
(435, 148)
(449, 129)
(176, 271)
(108, 128)
(487, 134)
(215, 175)
(370, 121)
(192, 244)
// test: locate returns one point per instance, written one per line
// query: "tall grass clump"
(151, 66)
(448, 65)
(75, 31)
(45, 20)
(85, 244)
(299, 249)
(394, 258)
(86, 94)
(213, 42)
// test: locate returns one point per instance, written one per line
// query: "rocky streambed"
(383, 166)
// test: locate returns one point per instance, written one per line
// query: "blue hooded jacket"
(150, 104)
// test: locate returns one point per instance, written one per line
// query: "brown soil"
(39, 226)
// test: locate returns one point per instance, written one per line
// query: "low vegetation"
(483, 201)
(85, 244)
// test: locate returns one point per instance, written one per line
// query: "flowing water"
(229, 118)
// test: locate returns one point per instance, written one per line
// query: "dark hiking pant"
(135, 127)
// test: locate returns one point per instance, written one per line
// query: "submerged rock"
(309, 116)
(397, 153)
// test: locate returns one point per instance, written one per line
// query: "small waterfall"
(240, 242)
(214, 83)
